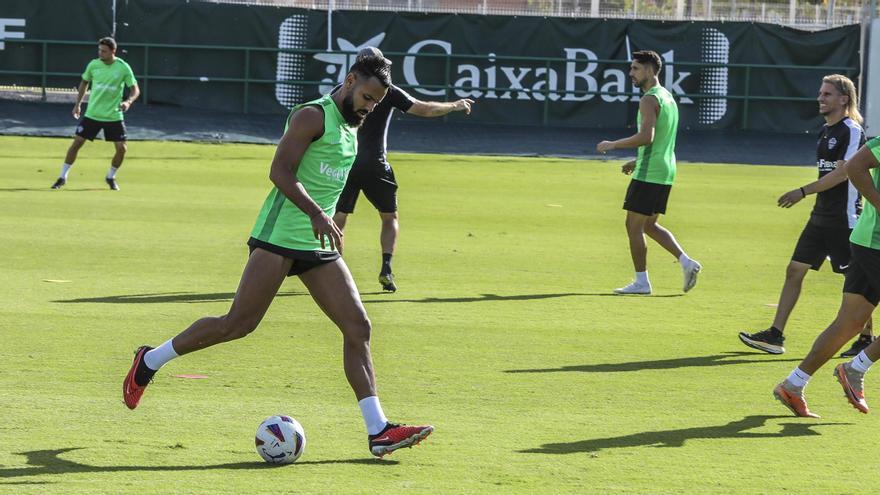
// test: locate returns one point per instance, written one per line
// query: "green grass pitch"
(503, 334)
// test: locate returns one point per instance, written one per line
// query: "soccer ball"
(280, 440)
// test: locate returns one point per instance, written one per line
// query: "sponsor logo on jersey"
(337, 174)
(826, 165)
(105, 87)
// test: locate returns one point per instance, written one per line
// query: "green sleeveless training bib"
(323, 171)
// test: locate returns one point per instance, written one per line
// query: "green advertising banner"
(522, 70)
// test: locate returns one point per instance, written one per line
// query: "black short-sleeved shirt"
(373, 133)
(839, 206)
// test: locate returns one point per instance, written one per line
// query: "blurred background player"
(371, 172)
(837, 208)
(108, 75)
(295, 235)
(861, 293)
(653, 173)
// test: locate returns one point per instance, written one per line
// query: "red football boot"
(131, 391)
(794, 400)
(396, 436)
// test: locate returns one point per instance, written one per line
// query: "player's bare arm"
(132, 96)
(827, 181)
(77, 107)
(649, 108)
(857, 169)
(440, 108)
(306, 125)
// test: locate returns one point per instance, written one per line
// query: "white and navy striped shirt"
(839, 206)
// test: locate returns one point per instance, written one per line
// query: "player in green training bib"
(653, 172)
(861, 293)
(108, 75)
(295, 235)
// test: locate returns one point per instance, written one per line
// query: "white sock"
(157, 358)
(685, 260)
(798, 378)
(374, 418)
(861, 363)
(111, 174)
(642, 278)
(64, 170)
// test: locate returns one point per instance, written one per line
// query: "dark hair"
(371, 66)
(108, 42)
(368, 51)
(649, 57)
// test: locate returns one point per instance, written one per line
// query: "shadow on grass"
(677, 438)
(660, 364)
(480, 298)
(26, 482)
(191, 297)
(165, 297)
(42, 462)
(48, 189)
(496, 297)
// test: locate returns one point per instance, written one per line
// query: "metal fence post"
(45, 64)
(547, 94)
(745, 119)
(247, 77)
(146, 74)
(446, 89)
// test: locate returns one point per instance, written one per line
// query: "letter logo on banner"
(571, 75)
(409, 65)
(714, 48)
(8, 35)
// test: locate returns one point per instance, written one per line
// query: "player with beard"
(295, 235)
(653, 173)
(834, 215)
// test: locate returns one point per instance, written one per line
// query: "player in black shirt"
(838, 205)
(371, 172)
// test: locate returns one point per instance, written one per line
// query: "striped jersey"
(839, 206)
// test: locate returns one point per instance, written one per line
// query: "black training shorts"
(113, 131)
(817, 243)
(378, 184)
(863, 274)
(303, 261)
(646, 198)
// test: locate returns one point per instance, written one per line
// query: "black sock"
(776, 331)
(143, 374)
(386, 264)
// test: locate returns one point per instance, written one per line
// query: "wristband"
(803, 192)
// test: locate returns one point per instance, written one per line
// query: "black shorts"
(303, 261)
(113, 131)
(863, 275)
(378, 184)
(646, 198)
(817, 243)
